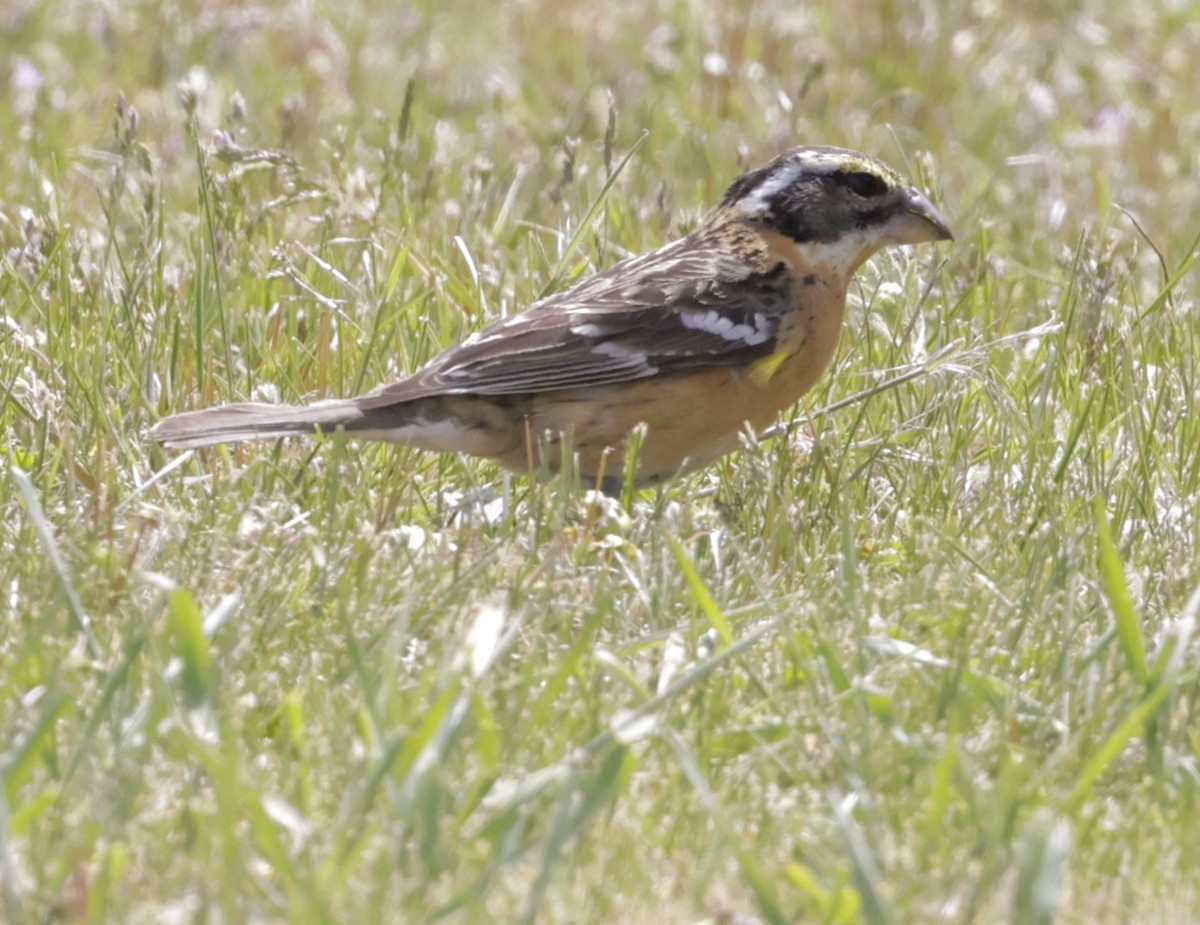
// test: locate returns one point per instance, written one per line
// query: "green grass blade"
(1099, 760)
(586, 224)
(192, 648)
(1112, 580)
(700, 592)
(45, 533)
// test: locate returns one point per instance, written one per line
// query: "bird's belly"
(691, 419)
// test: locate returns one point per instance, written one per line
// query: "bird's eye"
(864, 184)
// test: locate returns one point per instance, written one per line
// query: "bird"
(687, 346)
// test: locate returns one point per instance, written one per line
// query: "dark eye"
(864, 184)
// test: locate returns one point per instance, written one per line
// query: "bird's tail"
(252, 421)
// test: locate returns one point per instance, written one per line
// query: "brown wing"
(681, 307)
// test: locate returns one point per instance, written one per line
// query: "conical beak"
(918, 221)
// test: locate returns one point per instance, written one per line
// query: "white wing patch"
(611, 348)
(478, 337)
(713, 322)
(607, 348)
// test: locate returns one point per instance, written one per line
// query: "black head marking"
(743, 185)
(861, 183)
(817, 194)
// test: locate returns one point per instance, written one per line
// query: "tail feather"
(251, 421)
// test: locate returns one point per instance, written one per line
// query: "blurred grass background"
(927, 655)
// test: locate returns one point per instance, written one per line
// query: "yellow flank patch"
(762, 371)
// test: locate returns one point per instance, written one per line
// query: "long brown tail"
(252, 421)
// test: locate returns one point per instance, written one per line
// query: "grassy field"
(926, 655)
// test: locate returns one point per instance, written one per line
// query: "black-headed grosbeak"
(712, 333)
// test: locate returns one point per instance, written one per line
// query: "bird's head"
(842, 204)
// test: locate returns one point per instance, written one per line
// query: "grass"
(927, 654)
